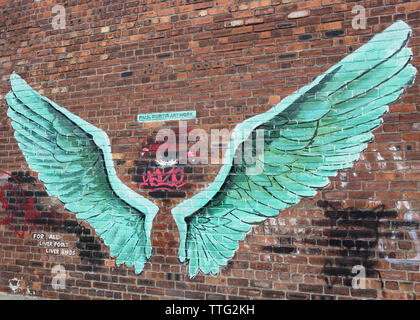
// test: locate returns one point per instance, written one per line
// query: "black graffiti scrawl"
(353, 237)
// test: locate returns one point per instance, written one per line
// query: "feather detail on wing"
(74, 161)
(311, 134)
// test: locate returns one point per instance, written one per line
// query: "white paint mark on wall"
(397, 156)
(359, 280)
(18, 286)
(59, 280)
(359, 21)
(59, 21)
(344, 184)
(409, 216)
(14, 284)
(403, 205)
(401, 166)
(281, 222)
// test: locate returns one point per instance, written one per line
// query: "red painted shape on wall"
(27, 206)
(164, 180)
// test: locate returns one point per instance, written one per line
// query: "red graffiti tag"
(27, 206)
(164, 180)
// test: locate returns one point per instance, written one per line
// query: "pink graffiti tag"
(164, 180)
(28, 207)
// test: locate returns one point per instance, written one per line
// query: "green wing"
(74, 161)
(311, 134)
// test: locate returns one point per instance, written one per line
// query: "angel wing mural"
(74, 161)
(321, 128)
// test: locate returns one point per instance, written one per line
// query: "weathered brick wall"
(228, 60)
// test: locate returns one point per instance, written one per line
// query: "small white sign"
(166, 116)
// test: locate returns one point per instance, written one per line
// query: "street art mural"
(308, 137)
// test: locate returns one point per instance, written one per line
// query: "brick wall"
(228, 60)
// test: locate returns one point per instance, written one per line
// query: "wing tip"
(14, 77)
(399, 25)
(19, 86)
(397, 34)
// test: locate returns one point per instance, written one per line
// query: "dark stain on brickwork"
(22, 177)
(163, 55)
(353, 234)
(285, 25)
(90, 249)
(286, 246)
(334, 33)
(305, 37)
(127, 74)
(160, 194)
(285, 56)
(282, 250)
